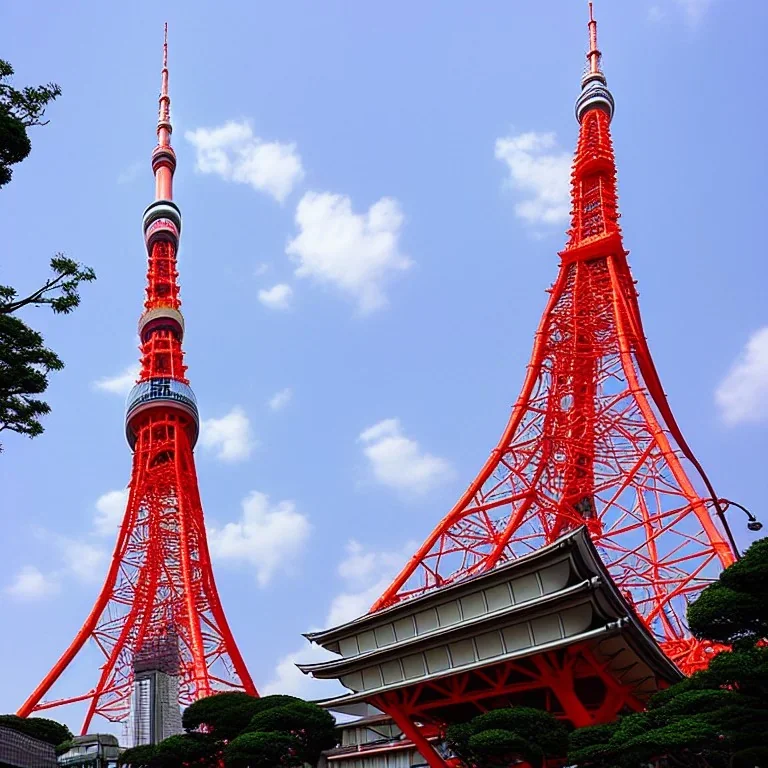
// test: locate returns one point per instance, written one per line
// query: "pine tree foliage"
(25, 361)
(717, 718)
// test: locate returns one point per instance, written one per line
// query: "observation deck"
(166, 392)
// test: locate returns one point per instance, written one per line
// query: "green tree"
(718, 717)
(41, 728)
(19, 110)
(25, 361)
(263, 749)
(139, 757)
(192, 748)
(243, 730)
(313, 728)
(496, 739)
(223, 715)
(734, 610)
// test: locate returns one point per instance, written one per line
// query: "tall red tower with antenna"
(160, 582)
(591, 439)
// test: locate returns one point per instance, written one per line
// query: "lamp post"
(753, 524)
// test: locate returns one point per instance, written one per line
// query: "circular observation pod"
(595, 93)
(161, 318)
(162, 221)
(163, 157)
(165, 392)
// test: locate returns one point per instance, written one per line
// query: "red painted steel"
(570, 683)
(160, 576)
(591, 439)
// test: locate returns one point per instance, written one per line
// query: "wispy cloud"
(30, 583)
(268, 538)
(229, 437)
(280, 399)
(85, 561)
(120, 384)
(365, 574)
(110, 508)
(82, 558)
(357, 253)
(277, 297)
(129, 174)
(232, 152)
(743, 394)
(399, 462)
(694, 10)
(538, 174)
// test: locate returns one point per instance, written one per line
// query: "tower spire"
(594, 54)
(594, 88)
(163, 157)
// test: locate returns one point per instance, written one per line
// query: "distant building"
(155, 712)
(97, 750)
(371, 740)
(20, 751)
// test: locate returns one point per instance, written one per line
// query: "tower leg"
(411, 731)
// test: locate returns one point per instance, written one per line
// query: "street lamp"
(753, 524)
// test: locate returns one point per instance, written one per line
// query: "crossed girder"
(160, 581)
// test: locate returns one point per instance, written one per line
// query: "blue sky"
(362, 273)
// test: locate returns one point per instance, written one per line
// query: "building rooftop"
(553, 599)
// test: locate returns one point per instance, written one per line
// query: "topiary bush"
(41, 728)
(138, 757)
(223, 715)
(497, 739)
(313, 727)
(263, 749)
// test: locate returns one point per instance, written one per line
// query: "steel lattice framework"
(160, 580)
(591, 439)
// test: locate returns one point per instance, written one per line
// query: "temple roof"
(554, 598)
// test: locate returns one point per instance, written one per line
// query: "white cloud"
(277, 297)
(743, 394)
(290, 680)
(694, 10)
(539, 171)
(366, 574)
(260, 269)
(77, 557)
(129, 174)
(230, 436)
(361, 566)
(120, 384)
(83, 560)
(31, 584)
(280, 399)
(357, 253)
(232, 152)
(398, 461)
(110, 508)
(349, 605)
(268, 538)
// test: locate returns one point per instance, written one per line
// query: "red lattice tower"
(591, 439)
(160, 580)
